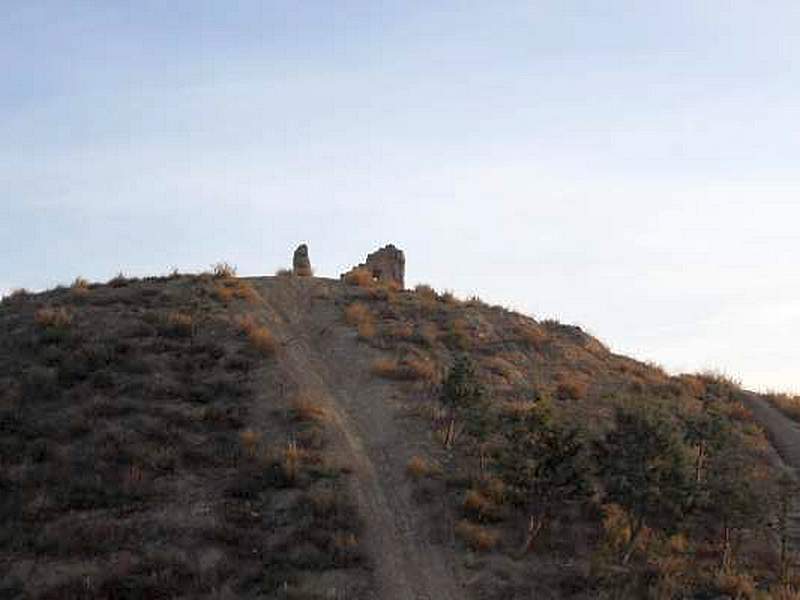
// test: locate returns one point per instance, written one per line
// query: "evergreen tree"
(644, 469)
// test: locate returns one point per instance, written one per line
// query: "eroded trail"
(322, 356)
(784, 434)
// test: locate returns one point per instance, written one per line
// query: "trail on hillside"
(784, 434)
(322, 357)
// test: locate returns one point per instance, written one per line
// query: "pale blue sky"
(633, 167)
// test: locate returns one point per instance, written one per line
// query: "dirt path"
(784, 434)
(323, 357)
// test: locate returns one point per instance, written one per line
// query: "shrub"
(572, 389)
(361, 277)
(53, 317)
(284, 273)
(478, 506)
(17, 295)
(425, 291)
(458, 335)
(476, 537)
(118, 281)
(223, 270)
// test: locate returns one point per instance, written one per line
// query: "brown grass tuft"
(53, 317)
(357, 313)
(306, 407)
(409, 369)
(180, 324)
(284, 273)
(359, 277)
(571, 388)
(229, 289)
(80, 287)
(418, 468)
(478, 506)
(260, 337)
(476, 537)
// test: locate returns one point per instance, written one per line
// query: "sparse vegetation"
(260, 337)
(223, 270)
(359, 277)
(53, 317)
(142, 421)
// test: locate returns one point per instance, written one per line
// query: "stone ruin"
(301, 264)
(386, 265)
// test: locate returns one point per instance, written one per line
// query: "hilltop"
(295, 436)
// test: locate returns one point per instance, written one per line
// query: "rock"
(386, 265)
(301, 264)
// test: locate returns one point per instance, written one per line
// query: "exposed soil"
(784, 434)
(413, 559)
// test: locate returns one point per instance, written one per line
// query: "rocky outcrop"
(301, 264)
(386, 265)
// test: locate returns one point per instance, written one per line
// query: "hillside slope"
(294, 437)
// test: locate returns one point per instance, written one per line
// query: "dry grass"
(429, 334)
(476, 537)
(79, 287)
(306, 407)
(223, 270)
(398, 331)
(53, 317)
(533, 336)
(357, 313)
(458, 334)
(229, 289)
(570, 387)
(180, 324)
(366, 330)
(409, 369)
(418, 468)
(260, 336)
(478, 506)
(292, 457)
(284, 273)
(359, 277)
(736, 585)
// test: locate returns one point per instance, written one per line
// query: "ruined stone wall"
(387, 265)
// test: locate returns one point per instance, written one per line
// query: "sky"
(631, 167)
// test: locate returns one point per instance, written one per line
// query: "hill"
(301, 437)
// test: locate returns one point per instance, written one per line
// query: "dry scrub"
(260, 337)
